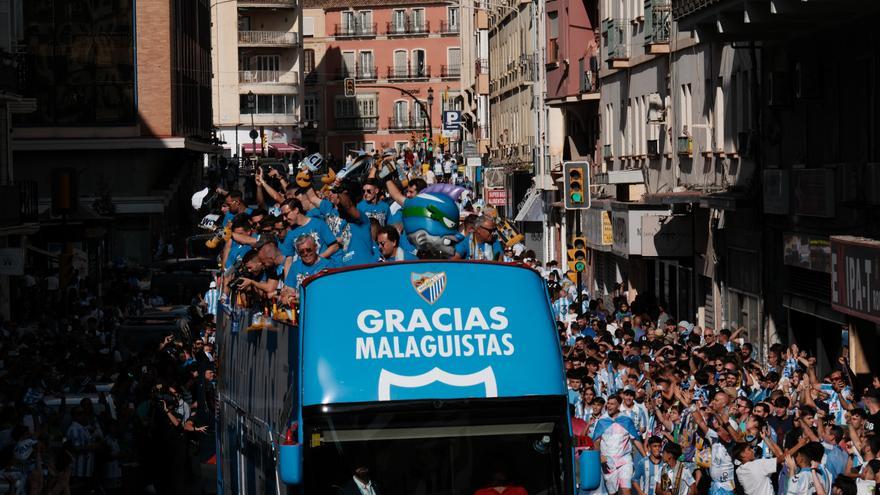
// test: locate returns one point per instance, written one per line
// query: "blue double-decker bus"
(438, 377)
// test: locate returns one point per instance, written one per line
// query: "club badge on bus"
(429, 286)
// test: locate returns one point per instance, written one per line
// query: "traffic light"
(577, 255)
(576, 177)
(350, 88)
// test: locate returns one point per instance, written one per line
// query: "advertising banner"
(428, 330)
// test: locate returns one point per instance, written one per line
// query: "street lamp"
(430, 112)
(252, 103)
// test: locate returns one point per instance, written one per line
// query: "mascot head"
(430, 221)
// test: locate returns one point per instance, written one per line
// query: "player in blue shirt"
(360, 247)
(307, 263)
(372, 206)
(301, 224)
(234, 251)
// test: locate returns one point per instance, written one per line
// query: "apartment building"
(257, 62)
(139, 101)
(677, 119)
(813, 130)
(405, 59)
(475, 75)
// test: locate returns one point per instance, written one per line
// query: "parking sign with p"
(451, 120)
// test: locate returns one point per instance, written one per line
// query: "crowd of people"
(84, 408)
(676, 409)
(297, 226)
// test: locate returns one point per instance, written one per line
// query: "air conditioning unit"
(653, 148)
(849, 177)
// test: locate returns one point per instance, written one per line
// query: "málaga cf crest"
(429, 286)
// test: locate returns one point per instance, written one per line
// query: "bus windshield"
(456, 452)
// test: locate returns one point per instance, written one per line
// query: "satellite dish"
(199, 198)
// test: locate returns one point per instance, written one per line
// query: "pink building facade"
(572, 54)
(397, 52)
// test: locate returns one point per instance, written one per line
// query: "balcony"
(359, 72)
(450, 71)
(449, 28)
(406, 123)
(356, 30)
(267, 77)
(658, 16)
(410, 27)
(616, 34)
(267, 38)
(274, 4)
(357, 123)
(409, 73)
(481, 66)
(552, 52)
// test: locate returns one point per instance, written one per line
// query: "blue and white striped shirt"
(83, 461)
(647, 475)
(212, 297)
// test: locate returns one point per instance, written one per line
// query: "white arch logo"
(484, 377)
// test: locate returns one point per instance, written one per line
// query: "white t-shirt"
(754, 476)
(865, 487)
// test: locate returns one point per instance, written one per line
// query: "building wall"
(240, 68)
(571, 29)
(154, 66)
(332, 132)
(513, 68)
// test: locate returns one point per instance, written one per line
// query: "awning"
(286, 147)
(532, 208)
(250, 147)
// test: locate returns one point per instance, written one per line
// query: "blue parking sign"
(451, 120)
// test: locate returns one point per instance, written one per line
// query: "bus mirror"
(590, 470)
(290, 460)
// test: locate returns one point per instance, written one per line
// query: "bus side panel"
(255, 378)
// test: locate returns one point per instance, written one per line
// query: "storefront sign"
(496, 196)
(626, 226)
(598, 227)
(806, 251)
(855, 277)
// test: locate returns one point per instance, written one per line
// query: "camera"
(237, 283)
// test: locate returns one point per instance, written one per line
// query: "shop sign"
(855, 277)
(496, 196)
(598, 227)
(806, 251)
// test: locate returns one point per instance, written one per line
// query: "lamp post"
(253, 134)
(430, 112)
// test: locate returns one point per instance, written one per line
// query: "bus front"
(432, 377)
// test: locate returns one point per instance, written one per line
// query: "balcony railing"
(267, 38)
(409, 27)
(447, 27)
(450, 71)
(359, 72)
(356, 30)
(658, 16)
(267, 77)
(357, 123)
(406, 123)
(267, 3)
(481, 66)
(409, 73)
